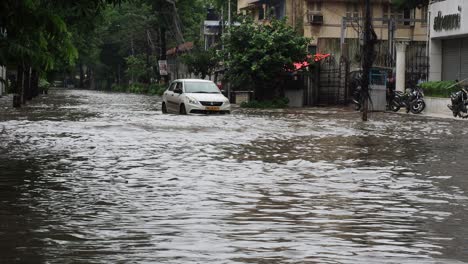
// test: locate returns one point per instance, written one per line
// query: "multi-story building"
(335, 26)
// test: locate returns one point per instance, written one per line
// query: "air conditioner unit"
(315, 19)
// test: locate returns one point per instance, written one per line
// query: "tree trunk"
(163, 55)
(368, 49)
(27, 85)
(92, 82)
(34, 83)
(118, 74)
(17, 97)
(82, 77)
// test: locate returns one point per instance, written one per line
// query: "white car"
(192, 96)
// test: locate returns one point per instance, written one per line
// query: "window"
(391, 13)
(261, 13)
(352, 10)
(314, 6)
(424, 13)
(201, 87)
(173, 85)
(179, 86)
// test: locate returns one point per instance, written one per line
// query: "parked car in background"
(193, 96)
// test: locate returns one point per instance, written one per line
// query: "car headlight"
(226, 101)
(192, 100)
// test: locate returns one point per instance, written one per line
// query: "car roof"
(191, 80)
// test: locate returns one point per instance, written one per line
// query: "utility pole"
(368, 52)
(229, 13)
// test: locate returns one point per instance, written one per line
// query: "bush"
(137, 88)
(43, 85)
(275, 103)
(119, 88)
(440, 89)
(156, 89)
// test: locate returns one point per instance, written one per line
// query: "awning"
(251, 4)
(317, 57)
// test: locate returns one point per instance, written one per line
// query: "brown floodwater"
(95, 177)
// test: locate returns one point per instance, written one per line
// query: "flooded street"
(93, 177)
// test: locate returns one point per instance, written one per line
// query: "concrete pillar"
(401, 65)
(435, 60)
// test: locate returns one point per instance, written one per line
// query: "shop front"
(448, 47)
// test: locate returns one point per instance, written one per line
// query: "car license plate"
(212, 108)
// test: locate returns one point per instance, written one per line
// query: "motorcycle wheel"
(417, 107)
(394, 106)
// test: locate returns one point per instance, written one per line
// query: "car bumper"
(200, 109)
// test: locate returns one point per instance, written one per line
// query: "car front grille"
(211, 103)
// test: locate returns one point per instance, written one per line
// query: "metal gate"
(332, 81)
(417, 63)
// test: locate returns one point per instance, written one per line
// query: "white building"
(448, 48)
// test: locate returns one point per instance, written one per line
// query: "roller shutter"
(464, 59)
(455, 59)
(451, 59)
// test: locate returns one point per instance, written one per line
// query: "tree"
(258, 55)
(201, 62)
(136, 67)
(38, 37)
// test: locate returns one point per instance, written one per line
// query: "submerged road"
(93, 177)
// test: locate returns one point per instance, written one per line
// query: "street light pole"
(229, 13)
(367, 49)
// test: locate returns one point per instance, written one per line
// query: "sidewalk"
(447, 115)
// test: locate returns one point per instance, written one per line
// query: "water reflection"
(97, 177)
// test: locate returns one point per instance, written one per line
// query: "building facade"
(448, 46)
(335, 26)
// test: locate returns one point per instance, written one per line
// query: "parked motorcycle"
(459, 103)
(412, 100)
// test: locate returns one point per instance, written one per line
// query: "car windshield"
(201, 87)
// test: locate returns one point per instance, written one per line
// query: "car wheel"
(164, 108)
(182, 110)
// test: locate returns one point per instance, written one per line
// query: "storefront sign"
(447, 22)
(163, 67)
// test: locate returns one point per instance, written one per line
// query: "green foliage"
(136, 67)
(275, 103)
(201, 62)
(140, 88)
(440, 89)
(38, 31)
(137, 88)
(119, 88)
(157, 89)
(44, 84)
(256, 55)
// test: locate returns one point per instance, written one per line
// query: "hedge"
(439, 89)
